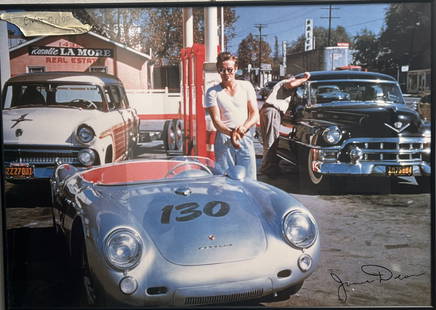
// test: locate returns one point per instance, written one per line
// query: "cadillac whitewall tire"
(310, 180)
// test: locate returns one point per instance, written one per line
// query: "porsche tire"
(88, 293)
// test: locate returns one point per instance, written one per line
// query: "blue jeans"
(227, 156)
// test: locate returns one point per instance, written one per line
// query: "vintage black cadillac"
(350, 123)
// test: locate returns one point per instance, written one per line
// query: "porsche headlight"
(300, 228)
(85, 134)
(332, 135)
(123, 248)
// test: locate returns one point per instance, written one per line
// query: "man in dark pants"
(270, 118)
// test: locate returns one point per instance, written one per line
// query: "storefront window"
(98, 69)
(32, 69)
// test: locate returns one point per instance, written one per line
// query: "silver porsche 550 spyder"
(179, 232)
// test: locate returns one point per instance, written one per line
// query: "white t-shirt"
(233, 109)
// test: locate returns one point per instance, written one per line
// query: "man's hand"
(241, 130)
(235, 137)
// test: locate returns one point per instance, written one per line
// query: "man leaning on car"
(270, 117)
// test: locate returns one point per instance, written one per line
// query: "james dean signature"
(378, 274)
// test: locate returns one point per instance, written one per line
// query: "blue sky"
(287, 22)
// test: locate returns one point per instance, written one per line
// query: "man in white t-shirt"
(232, 105)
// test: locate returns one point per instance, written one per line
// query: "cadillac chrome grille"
(391, 151)
(223, 298)
(36, 156)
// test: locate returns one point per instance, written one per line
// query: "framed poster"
(109, 154)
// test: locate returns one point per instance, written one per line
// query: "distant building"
(327, 58)
(419, 81)
(84, 52)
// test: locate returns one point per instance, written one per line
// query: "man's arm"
(253, 117)
(292, 83)
(253, 112)
(216, 119)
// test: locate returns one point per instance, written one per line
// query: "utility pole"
(259, 27)
(330, 17)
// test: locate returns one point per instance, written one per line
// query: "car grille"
(220, 299)
(395, 151)
(40, 156)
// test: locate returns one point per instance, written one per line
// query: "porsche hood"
(202, 222)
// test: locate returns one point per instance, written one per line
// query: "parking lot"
(375, 245)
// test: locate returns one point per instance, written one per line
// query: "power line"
(259, 27)
(363, 23)
(330, 17)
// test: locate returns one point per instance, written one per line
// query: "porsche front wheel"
(84, 286)
(88, 293)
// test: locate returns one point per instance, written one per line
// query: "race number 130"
(191, 210)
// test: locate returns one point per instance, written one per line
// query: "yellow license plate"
(21, 172)
(399, 170)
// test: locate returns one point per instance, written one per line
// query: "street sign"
(266, 66)
(282, 70)
(405, 68)
(308, 43)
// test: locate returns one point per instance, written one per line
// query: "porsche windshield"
(53, 95)
(355, 91)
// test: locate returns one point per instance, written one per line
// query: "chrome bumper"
(368, 168)
(373, 156)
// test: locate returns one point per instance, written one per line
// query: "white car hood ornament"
(22, 118)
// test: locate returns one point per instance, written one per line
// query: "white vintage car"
(83, 119)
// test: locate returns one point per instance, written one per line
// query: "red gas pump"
(197, 139)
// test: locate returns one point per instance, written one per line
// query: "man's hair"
(224, 56)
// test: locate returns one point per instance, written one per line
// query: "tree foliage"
(158, 29)
(321, 34)
(124, 25)
(367, 48)
(165, 33)
(248, 52)
(405, 40)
